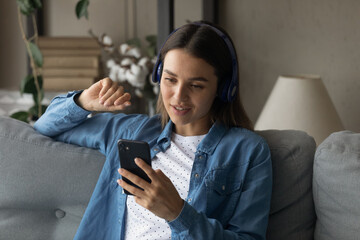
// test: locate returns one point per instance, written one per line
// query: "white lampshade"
(301, 103)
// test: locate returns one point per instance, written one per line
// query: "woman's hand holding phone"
(160, 196)
(104, 96)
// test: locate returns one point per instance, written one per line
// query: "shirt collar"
(212, 138)
(207, 145)
(165, 136)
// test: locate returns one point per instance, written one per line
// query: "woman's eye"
(197, 86)
(170, 80)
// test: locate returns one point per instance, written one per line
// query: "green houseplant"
(32, 83)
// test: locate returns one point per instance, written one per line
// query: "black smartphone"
(128, 151)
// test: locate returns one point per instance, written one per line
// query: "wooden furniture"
(70, 63)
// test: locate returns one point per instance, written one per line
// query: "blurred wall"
(293, 37)
(120, 19)
(12, 47)
(284, 37)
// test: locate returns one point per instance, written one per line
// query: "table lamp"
(301, 103)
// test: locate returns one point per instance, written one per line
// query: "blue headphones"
(228, 89)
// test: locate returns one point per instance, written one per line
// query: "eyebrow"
(202, 79)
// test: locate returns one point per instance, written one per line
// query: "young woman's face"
(188, 88)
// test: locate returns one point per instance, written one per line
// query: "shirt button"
(156, 149)
(196, 175)
(223, 187)
(201, 157)
(189, 200)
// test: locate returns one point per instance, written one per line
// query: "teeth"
(179, 108)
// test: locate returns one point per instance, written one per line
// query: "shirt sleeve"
(61, 115)
(65, 121)
(250, 218)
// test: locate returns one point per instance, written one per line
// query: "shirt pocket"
(222, 191)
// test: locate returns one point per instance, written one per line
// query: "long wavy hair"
(203, 42)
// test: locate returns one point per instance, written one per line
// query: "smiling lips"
(180, 110)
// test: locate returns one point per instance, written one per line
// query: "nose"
(181, 92)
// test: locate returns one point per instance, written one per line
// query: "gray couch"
(45, 185)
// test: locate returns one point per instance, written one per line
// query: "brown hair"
(203, 42)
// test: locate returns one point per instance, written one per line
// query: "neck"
(188, 130)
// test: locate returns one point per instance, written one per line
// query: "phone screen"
(128, 151)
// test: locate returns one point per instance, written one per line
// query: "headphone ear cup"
(223, 90)
(232, 91)
(227, 91)
(159, 72)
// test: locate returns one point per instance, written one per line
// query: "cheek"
(205, 103)
(164, 92)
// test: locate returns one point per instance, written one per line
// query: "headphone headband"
(228, 90)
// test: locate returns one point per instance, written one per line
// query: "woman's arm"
(67, 120)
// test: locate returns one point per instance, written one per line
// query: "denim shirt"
(230, 184)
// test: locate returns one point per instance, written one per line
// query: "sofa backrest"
(336, 187)
(45, 185)
(292, 214)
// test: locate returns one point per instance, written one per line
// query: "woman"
(211, 175)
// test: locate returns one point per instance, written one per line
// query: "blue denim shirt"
(230, 185)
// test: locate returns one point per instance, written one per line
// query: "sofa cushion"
(45, 185)
(292, 214)
(336, 187)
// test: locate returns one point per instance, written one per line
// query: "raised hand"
(104, 96)
(160, 196)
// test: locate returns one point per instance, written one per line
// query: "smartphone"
(128, 151)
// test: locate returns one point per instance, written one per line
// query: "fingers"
(131, 189)
(109, 91)
(160, 196)
(106, 84)
(124, 99)
(146, 168)
(134, 179)
(111, 94)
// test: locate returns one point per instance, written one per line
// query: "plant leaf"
(35, 93)
(35, 96)
(134, 42)
(34, 112)
(36, 54)
(151, 48)
(151, 39)
(22, 116)
(37, 3)
(82, 9)
(26, 84)
(25, 6)
(151, 51)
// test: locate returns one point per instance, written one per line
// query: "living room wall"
(284, 37)
(293, 37)
(13, 53)
(120, 19)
